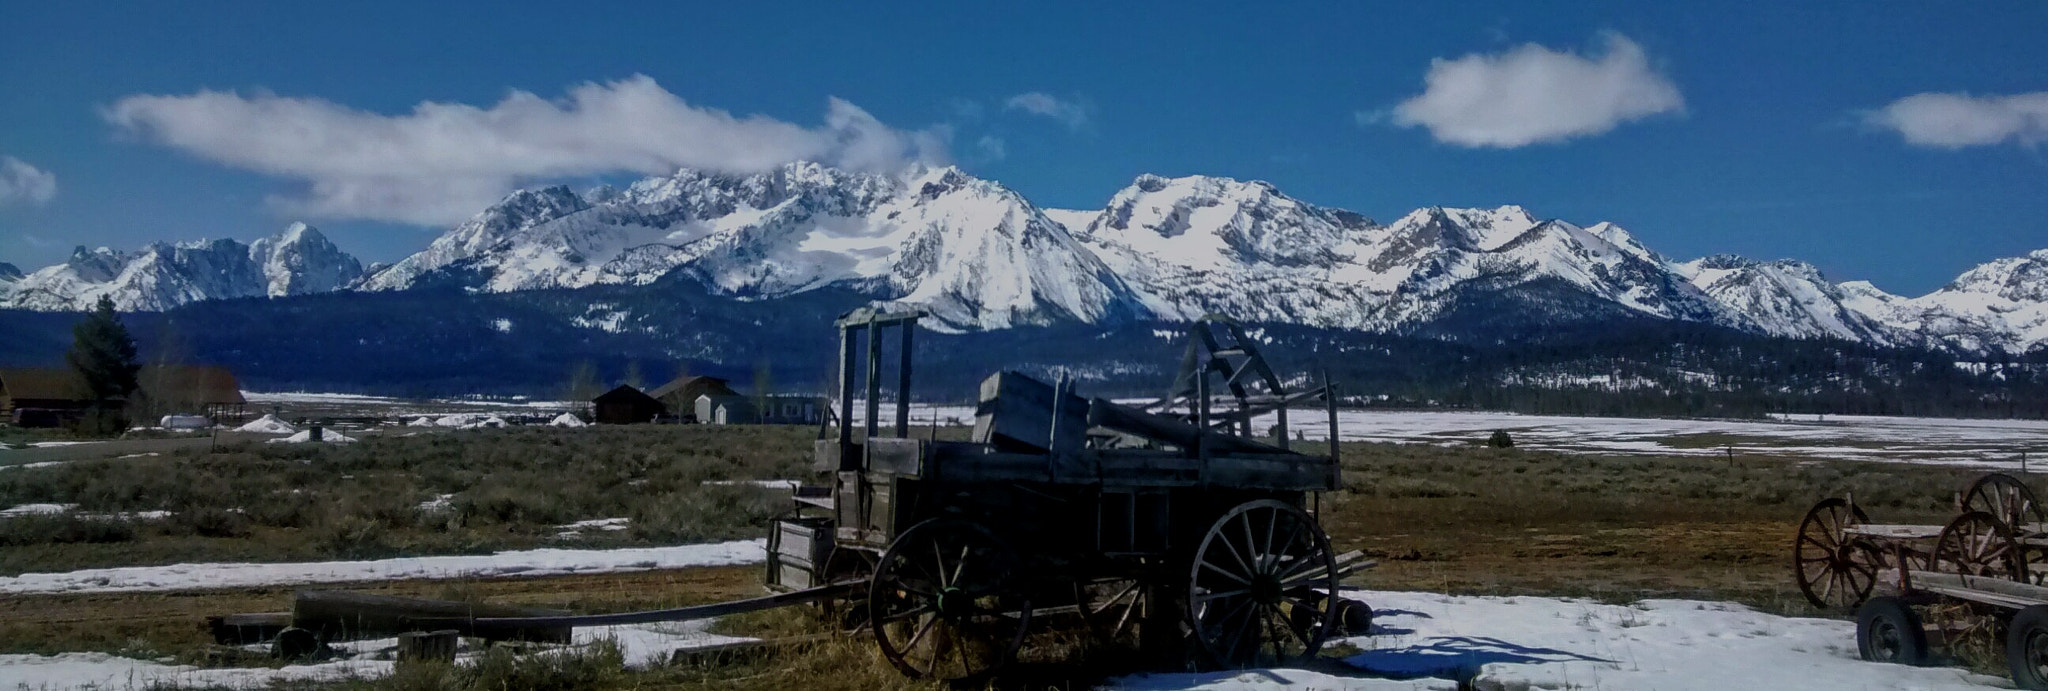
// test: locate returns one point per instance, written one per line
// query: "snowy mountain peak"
(163, 275)
(2019, 279)
(9, 273)
(301, 260)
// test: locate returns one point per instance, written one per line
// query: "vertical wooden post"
(1280, 430)
(1202, 416)
(1330, 399)
(845, 387)
(874, 376)
(903, 381)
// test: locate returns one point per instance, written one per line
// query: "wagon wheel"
(2006, 498)
(1114, 611)
(1834, 569)
(944, 604)
(1977, 544)
(1263, 586)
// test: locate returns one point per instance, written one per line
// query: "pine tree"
(103, 355)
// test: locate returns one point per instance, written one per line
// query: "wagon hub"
(954, 603)
(1266, 589)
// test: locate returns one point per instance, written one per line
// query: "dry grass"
(1464, 519)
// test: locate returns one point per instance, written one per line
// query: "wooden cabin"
(54, 397)
(42, 397)
(626, 405)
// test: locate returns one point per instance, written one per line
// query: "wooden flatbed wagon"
(1988, 567)
(1172, 526)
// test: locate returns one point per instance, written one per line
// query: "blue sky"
(1766, 129)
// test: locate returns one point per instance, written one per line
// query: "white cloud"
(21, 183)
(1534, 94)
(442, 162)
(1073, 113)
(1953, 121)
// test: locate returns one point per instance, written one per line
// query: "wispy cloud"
(24, 184)
(1954, 121)
(443, 161)
(991, 148)
(1533, 94)
(1074, 113)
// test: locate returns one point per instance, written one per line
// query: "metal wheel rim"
(920, 595)
(1885, 640)
(2037, 653)
(1247, 579)
(1833, 570)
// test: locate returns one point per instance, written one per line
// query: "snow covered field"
(535, 562)
(1421, 641)
(1986, 443)
(1427, 641)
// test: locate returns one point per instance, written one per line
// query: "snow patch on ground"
(598, 525)
(785, 485)
(268, 424)
(70, 509)
(1430, 641)
(523, 563)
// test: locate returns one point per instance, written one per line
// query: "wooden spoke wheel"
(2013, 503)
(1977, 544)
(1835, 570)
(2005, 497)
(1115, 611)
(1262, 586)
(944, 602)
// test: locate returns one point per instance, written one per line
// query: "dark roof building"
(49, 395)
(681, 395)
(624, 406)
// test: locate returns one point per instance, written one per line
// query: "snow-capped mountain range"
(297, 261)
(980, 256)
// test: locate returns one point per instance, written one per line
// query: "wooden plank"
(1995, 591)
(874, 379)
(341, 615)
(1122, 418)
(716, 609)
(1902, 531)
(846, 365)
(903, 381)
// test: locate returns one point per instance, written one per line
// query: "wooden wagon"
(1987, 567)
(1172, 526)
